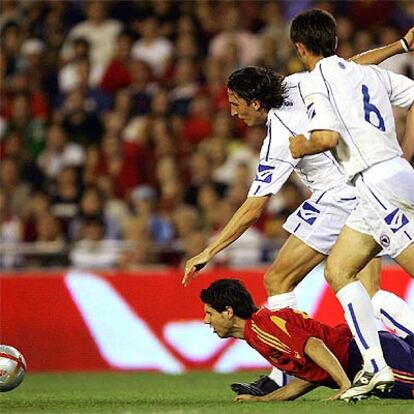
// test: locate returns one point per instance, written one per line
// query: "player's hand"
(247, 397)
(295, 145)
(194, 265)
(409, 37)
(338, 394)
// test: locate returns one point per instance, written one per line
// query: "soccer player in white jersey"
(260, 96)
(350, 113)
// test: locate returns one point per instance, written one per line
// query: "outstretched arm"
(242, 219)
(316, 350)
(296, 388)
(376, 56)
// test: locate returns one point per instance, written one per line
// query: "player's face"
(219, 321)
(247, 112)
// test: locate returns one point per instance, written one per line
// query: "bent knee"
(337, 276)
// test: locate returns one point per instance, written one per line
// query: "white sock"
(279, 377)
(361, 320)
(394, 312)
(282, 300)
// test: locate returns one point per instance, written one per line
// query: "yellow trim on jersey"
(270, 339)
(302, 313)
(280, 323)
(272, 344)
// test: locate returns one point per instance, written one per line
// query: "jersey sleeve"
(317, 100)
(400, 89)
(273, 170)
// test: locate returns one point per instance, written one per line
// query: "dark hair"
(261, 84)
(229, 292)
(316, 30)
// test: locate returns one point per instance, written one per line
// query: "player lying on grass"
(261, 96)
(315, 353)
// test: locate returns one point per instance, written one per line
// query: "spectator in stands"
(116, 75)
(39, 203)
(82, 126)
(92, 204)
(140, 246)
(101, 33)
(185, 86)
(207, 201)
(66, 196)
(93, 251)
(160, 103)
(143, 200)
(186, 221)
(152, 48)
(11, 37)
(232, 35)
(48, 229)
(68, 74)
(142, 88)
(14, 189)
(197, 125)
(58, 152)
(41, 80)
(97, 100)
(186, 47)
(200, 174)
(11, 233)
(22, 121)
(274, 47)
(214, 85)
(50, 243)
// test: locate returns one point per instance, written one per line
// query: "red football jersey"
(280, 337)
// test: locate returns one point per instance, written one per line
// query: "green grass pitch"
(195, 393)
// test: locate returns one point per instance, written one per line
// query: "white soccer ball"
(12, 368)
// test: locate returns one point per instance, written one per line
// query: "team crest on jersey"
(396, 220)
(385, 240)
(310, 109)
(308, 213)
(288, 103)
(341, 65)
(264, 173)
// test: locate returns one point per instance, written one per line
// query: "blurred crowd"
(116, 142)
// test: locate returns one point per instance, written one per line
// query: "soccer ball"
(12, 368)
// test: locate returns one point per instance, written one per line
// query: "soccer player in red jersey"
(314, 353)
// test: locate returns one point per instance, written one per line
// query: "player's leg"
(314, 227)
(399, 355)
(293, 262)
(350, 254)
(393, 311)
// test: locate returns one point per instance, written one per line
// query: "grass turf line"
(195, 393)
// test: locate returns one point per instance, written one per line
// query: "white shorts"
(386, 207)
(319, 220)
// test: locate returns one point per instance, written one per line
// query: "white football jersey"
(356, 101)
(317, 172)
